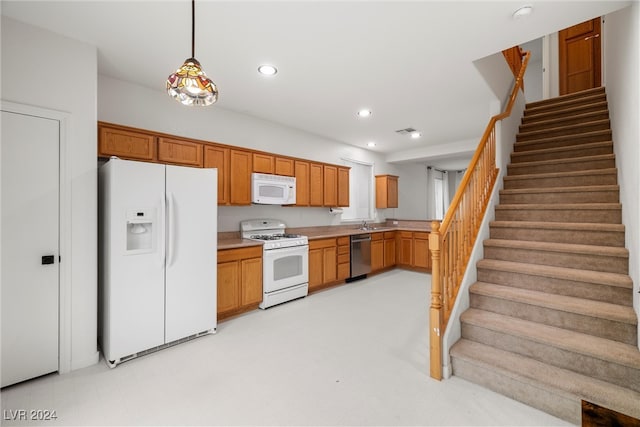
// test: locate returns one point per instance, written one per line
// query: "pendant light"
(189, 85)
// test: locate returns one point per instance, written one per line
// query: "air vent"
(405, 131)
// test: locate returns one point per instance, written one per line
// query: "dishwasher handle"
(360, 238)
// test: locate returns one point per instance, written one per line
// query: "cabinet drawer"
(377, 236)
(344, 258)
(345, 240)
(421, 235)
(226, 255)
(389, 234)
(344, 249)
(321, 243)
(405, 234)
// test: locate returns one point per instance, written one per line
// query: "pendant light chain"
(193, 28)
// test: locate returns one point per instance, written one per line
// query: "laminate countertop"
(232, 240)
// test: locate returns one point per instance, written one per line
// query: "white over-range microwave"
(273, 189)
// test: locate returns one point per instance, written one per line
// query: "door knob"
(48, 259)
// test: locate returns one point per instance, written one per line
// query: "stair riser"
(615, 373)
(576, 237)
(563, 104)
(557, 404)
(599, 216)
(564, 121)
(569, 153)
(589, 93)
(568, 166)
(560, 197)
(559, 286)
(599, 327)
(562, 141)
(593, 262)
(563, 131)
(532, 117)
(582, 180)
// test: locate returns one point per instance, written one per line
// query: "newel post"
(435, 311)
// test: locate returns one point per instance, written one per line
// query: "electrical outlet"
(395, 222)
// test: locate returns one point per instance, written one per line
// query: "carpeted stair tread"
(601, 135)
(552, 122)
(586, 188)
(556, 104)
(611, 251)
(564, 130)
(532, 117)
(573, 274)
(561, 161)
(568, 150)
(580, 306)
(547, 379)
(585, 344)
(570, 96)
(590, 172)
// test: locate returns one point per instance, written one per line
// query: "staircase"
(551, 319)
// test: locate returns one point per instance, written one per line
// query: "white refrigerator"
(158, 241)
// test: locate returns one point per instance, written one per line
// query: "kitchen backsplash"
(229, 217)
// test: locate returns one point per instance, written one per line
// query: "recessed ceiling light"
(267, 70)
(523, 11)
(371, 144)
(364, 113)
(415, 135)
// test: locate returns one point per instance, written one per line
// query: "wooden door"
(316, 189)
(330, 261)
(228, 286)
(240, 177)
(579, 57)
(343, 186)
(316, 267)
(377, 254)
(330, 186)
(302, 183)
(179, 152)
(30, 227)
(218, 157)
(251, 274)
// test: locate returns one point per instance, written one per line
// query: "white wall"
(43, 69)
(133, 105)
(621, 65)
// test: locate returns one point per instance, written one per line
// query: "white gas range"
(285, 260)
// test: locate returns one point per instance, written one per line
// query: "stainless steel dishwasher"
(360, 254)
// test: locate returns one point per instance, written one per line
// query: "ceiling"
(409, 62)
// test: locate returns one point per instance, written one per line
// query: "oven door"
(285, 267)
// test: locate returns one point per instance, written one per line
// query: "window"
(360, 191)
(438, 195)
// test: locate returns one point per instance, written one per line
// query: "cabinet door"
(302, 183)
(218, 157)
(390, 252)
(228, 286)
(240, 177)
(377, 255)
(284, 166)
(180, 152)
(330, 180)
(392, 192)
(251, 284)
(404, 248)
(421, 250)
(344, 271)
(316, 190)
(330, 261)
(316, 267)
(263, 163)
(126, 144)
(343, 186)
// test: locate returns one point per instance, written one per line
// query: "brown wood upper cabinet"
(316, 183)
(386, 191)
(343, 186)
(285, 166)
(180, 152)
(330, 185)
(302, 182)
(218, 157)
(263, 163)
(240, 162)
(125, 143)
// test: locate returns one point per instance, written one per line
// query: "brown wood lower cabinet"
(239, 280)
(323, 263)
(413, 250)
(389, 248)
(421, 254)
(377, 251)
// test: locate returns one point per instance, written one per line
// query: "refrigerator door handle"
(171, 222)
(161, 241)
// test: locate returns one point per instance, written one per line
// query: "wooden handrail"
(452, 241)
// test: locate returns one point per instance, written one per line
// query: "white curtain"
(361, 191)
(437, 193)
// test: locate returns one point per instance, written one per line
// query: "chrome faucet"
(364, 226)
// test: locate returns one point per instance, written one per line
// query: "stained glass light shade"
(189, 85)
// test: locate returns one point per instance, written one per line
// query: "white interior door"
(192, 215)
(30, 246)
